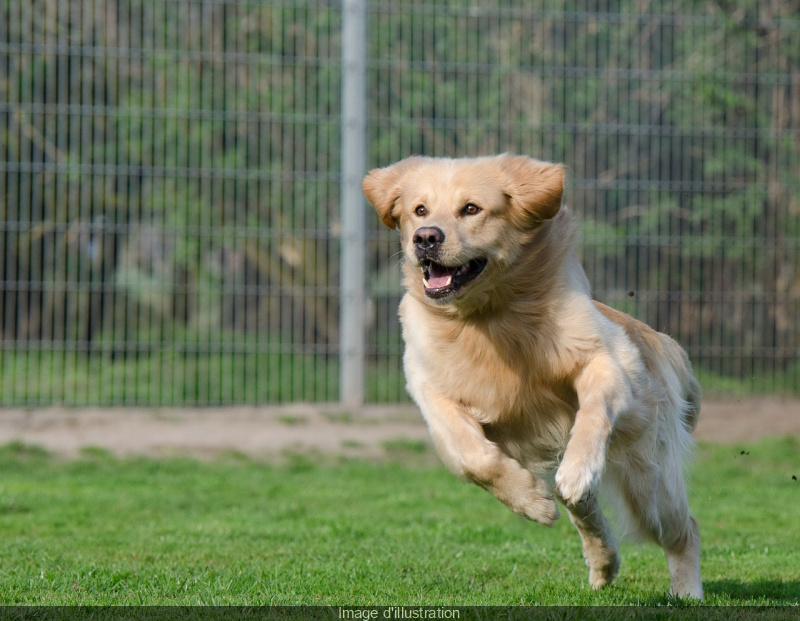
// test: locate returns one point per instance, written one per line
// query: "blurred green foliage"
(170, 169)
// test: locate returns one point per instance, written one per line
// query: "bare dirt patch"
(272, 432)
(260, 432)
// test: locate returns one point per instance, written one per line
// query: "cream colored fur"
(530, 389)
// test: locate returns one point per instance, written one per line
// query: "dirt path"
(269, 432)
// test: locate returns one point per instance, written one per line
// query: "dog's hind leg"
(599, 544)
(683, 561)
(658, 507)
(679, 536)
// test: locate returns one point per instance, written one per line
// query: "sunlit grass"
(101, 530)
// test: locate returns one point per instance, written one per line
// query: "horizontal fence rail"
(180, 218)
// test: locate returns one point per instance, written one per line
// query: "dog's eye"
(471, 210)
(420, 210)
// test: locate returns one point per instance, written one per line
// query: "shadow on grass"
(758, 594)
(782, 592)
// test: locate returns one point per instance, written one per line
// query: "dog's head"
(463, 222)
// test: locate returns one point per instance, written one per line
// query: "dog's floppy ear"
(383, 186)
(534, 187)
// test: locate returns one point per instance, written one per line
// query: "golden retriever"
(520, 375)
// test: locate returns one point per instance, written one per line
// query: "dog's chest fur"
(509, 382)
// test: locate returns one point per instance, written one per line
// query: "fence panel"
(170, 181)
(169, 187)
(679, 126)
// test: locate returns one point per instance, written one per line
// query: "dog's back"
(656, 348)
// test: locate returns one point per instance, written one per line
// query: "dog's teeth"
(449, 281)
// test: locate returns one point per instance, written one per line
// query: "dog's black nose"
(428, 237)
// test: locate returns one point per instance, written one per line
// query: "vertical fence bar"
(352, 290)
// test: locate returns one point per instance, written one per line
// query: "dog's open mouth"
(442, 280)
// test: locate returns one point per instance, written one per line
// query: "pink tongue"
(439, 281)
(439, 277)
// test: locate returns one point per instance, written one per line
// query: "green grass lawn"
(101, 530)
(237, 370)
(169, 377)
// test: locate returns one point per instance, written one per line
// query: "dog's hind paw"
(603, 574)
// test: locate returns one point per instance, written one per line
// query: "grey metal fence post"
(352, 289)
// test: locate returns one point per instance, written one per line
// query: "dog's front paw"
(575, 483)
(540, 509)
(531, 498)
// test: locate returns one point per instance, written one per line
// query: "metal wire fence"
(170, 181)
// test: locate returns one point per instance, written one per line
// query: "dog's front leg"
(464, 448)
(603, 391)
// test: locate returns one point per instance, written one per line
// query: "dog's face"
(464, 221)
